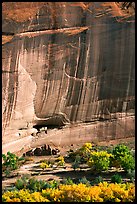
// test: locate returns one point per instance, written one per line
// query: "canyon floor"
(32, 170)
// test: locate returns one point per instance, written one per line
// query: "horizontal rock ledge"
(76, 134)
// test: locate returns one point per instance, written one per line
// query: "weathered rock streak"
(67, 63)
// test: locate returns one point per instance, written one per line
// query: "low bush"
(60, 161)
(45, 165)
(85, 181)
(122, 157)
(82, 152)
(99, 161)
(22, 182)
(98, 179)
(19, 184)
(101, 158)
(10, 163)
(76, 163)
(68, 181)
(103, 192)
(131, 175)
(116, 178)
(33, 184)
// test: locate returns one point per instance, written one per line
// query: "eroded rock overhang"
(67, 63)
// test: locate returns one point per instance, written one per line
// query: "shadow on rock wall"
(66, 62)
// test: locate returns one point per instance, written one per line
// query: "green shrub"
(127, 162)
(123, 157)
(54, 183)
(68, 181)
(99, 161)
(37, 185)
(75, 166)
(76, 163)
(84, 181)
(71, 155)
(131, 175)
(10, 162)
(33, 184)
(22, 182)
(98, 179)
(19, 184)
(120, 150)
(116, 178)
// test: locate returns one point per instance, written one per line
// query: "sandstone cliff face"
(66, 62)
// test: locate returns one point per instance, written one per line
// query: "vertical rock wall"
(66, 62)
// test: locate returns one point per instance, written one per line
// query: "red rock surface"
(68, 63)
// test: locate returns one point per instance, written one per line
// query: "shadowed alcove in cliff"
(68, 64)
